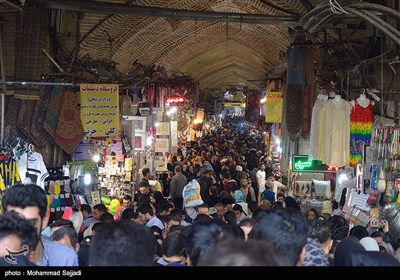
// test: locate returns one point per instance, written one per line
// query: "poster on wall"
(139, 123)
(162, 128)
(273, 107)
(162, 145)
(140, 141)
(160, 163)
(174, 133)
(99, 109)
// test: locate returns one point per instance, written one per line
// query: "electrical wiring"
(336, 8)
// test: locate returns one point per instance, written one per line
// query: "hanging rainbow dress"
(361, 121)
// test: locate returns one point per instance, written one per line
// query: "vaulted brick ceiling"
(217, 42)
(216, 53)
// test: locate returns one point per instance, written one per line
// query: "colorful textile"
(252, 111)
(11, 118)
(294, 94)
(25, 120)
(306, 116)
(40, 112)
(69, 131)
(295, 72)
(25, 116)
(293, 110)
(308, 92)
(360, 130)
(53, 110)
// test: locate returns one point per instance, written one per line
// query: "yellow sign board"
(99, 109)
(234, 104)
(273, 107)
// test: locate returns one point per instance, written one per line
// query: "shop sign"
(175, 100)
(99, 109)
(234, 104)
(273, 107)
(307, 164)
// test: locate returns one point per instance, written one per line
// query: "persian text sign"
(306, 164)
(99, 109)
(273, 107)
(175, 100)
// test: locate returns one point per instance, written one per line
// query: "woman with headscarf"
(239, 199)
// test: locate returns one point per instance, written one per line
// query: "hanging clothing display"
(334, 132)
(9, 174)
(360, 128)
(31, 164)
(314, 124)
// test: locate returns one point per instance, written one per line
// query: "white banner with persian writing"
(174, 134)
(99, 109)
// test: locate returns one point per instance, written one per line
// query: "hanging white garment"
(314, 125)
(34, 166)
(335, 131)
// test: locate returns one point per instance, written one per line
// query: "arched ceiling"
(215, 52)
(216, 42)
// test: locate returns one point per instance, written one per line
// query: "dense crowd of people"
(245, 218)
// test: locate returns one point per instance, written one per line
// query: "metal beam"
(132, 10)
(279, 8)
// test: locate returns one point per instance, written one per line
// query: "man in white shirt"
(278, 186)
(260, 181)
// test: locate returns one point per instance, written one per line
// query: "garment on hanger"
(34, 167)
(9, 175)
(360, 128)
(321, 99)
(334, 132)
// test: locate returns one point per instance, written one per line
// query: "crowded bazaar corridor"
(198, 133)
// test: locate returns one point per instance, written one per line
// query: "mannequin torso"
(337, 98)
(362, 100)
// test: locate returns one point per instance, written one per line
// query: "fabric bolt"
(360, 130)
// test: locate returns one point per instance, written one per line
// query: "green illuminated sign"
(307, 164)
